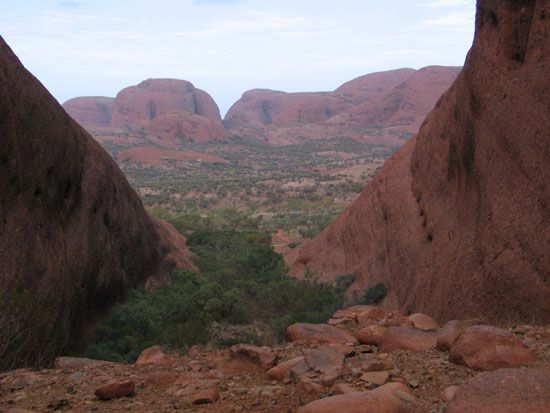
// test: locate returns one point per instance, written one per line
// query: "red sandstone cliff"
(457, 224)
(74, 236)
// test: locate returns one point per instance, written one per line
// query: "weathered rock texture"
(504, 391)
(136, 106)
(171, 110)
(74, 236)
(90, 111)
(166, 110)
(456, 224)
(397, 100)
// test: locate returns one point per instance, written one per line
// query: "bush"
(375, 294)
(241, 280)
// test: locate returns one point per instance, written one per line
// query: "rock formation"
(136, 106)
(396, 99)
(167, 110)
(456, 224)
(74, 236)
(90, 111)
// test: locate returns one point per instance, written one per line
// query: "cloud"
(256, 21)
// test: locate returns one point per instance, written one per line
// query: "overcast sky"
(97, 47)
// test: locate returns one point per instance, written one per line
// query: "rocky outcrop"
(170, 111)
(396, 99)
(136, 106)
(404, 107)
(454, 224)
(167, 111)
(74, 236)
(90, 111)
(504, 391)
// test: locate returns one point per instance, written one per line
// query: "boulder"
(423, 322)
(376, 378)
(263, 357)
(370, 334)
(449, 333)
(324, 359)
(293, 368)
(152, 355)
(380, 400)
(489, 348)
(504, 391)
(115, 390)
(406, 338)
(361, 315)
(205, 396)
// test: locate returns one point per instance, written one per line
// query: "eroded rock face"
(74, 236)
(452, 224)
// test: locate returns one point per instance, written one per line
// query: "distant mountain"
(91, 110)
(168, 111)
(388, 104)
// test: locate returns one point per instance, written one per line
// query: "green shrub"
(375, 294)
(241, 280)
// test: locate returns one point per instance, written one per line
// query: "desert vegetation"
(240, 281)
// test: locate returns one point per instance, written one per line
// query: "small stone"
(114, 390)
(343, 388)
(423, 322)
(152, 355)
(264, 357)
(414, 384)
(328, 378)
(376, 377)
(448, 393)
(205, 396)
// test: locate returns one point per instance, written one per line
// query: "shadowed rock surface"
(456, 224)
(74, 236)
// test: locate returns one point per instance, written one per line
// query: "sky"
(97, 47)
